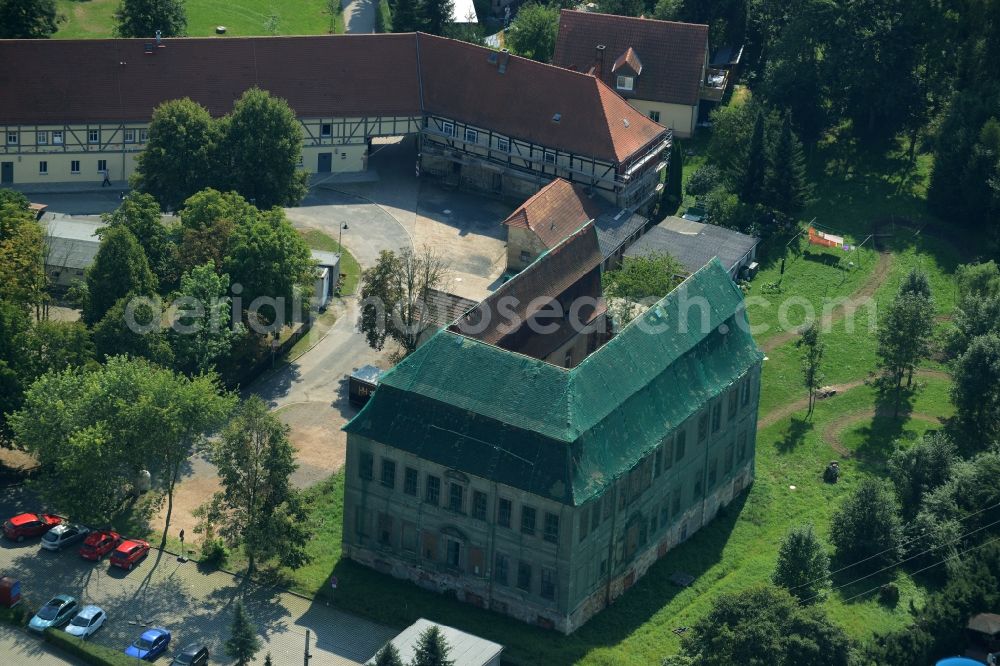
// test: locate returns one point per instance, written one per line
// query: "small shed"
(362, 383)
(465, 649)
(328, 275)
(70, 247)
(694, 244)
(984, 632)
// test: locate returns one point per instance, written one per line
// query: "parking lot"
(195, 606)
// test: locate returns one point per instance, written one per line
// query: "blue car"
(57, 612)
(150, 645)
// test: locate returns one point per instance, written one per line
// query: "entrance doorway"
(325, 164)
(6, 172)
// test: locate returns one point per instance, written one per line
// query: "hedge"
(87, 652)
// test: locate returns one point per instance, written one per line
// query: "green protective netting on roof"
(565, 434)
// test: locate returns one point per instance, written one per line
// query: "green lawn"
(90, 19)
(350, 270)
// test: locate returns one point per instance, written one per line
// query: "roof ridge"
(636, 19)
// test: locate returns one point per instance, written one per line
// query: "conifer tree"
(432, 649)
(786, 187)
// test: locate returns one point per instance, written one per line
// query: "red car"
(99, 543)
(129, 552)
(29, 525)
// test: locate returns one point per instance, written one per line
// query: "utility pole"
(306, 657)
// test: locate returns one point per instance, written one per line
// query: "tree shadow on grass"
(794, 434)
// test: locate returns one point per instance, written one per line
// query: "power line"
(883, 552)
(930, 566)
(911, 557)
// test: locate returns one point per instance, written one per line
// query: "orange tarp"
(826, 240)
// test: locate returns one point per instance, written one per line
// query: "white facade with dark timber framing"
(516, 124)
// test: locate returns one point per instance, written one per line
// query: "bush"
(87, 652)
(888, 594)
(16, 616)
(704, 180)
(213, 553)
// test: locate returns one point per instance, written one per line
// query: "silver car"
(63, 535)
(86, 622)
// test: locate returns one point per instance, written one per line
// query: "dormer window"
(625, 83)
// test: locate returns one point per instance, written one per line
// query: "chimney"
(601, 48)
(504, 58)
(159, 38)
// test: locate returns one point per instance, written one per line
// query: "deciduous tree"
(395, 294)
(180, 156)
(120, 268)
(866, 528)
(22, 254)
(134, 326)
(142, 18)
(260, 146)
(639, 283)
(532, 34)
(201, 332)
(812, 358)
(803, 566)
(976, 391)
(903, 339)
(918, 468)
(140, 213)
(28, 19)
(257, 507)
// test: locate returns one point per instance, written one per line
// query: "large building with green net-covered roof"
(544, 489)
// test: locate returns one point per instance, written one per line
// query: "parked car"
(99, 543)
(29, 525)
(86, 622)
(150, 645)
(129, 552)
(55, 613)
(63, 535)
(191, 655)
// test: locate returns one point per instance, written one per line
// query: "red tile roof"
(460, 81)
(556, 211)
(78, 81)
(672, 54)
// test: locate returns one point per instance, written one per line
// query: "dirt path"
(833, 429)
(866, 291)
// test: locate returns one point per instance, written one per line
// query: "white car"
(63, 535)
(86, 622)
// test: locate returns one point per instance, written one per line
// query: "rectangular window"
(702, 428)
(432, 490)
(584, 524)
(11, 138)
(716, 416)
(454, 553)
(385, 529)
(729, 460)
(410, 481)
(41, 137)
(668, 454)
(624, 83)
(503, 145)
(143, 135)
(448, 128)
(524, 575)
(713, 471)
(527, 520)
(74, 166)
(429, 545)
(549, 157)
(57, 137)
(676, 508)
(548, 590)
(326, 130)
(733, 405)
(43, 168)
(551, 528)
(471, 135)
(93, 136)
(681, 442)
(478, 505)
(742, 447)
(408, 540)
(366, 466)
(129, 136)
(388, 473)
(595, 515)
(456, 498)
(500, 569)
(654, 116)
(503, 512)
(102, 166)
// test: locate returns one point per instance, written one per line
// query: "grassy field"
(91, 19)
